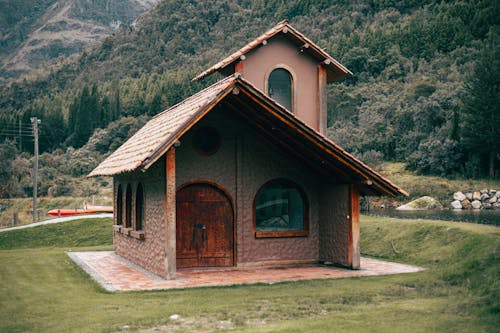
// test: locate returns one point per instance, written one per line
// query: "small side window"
(119, 206)
(139, 208)
(128, 207)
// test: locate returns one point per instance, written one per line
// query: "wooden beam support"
(339, 154)
(238, 67)
(263, 118)
(304, 47)
(264, 132)
(354, 250)
(322, 98)
(169, 215)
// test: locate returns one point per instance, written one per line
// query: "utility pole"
(35, 121)
(20, 137)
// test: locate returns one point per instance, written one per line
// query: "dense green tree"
(53, 130)
(410, 60)
(9, 185)
(481, 111)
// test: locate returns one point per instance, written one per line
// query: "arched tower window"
(139, 208)
(280, 86)
(119, 206)
(128, 207)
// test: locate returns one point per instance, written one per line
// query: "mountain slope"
(53, 29)
(412, 61)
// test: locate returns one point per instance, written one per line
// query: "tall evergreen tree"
(83, 123)
(52, 130)
(106, 112)
(481, 112)
(94, 109)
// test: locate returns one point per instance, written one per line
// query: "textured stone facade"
(241, 166)
(149, 252)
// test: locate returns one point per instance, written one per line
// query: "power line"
(12, 133)
(17, 125)
(16, 128)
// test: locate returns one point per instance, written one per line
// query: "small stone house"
(241, 173)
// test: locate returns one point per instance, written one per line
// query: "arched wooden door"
(204, 227)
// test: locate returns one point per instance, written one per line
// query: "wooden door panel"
(204, 227)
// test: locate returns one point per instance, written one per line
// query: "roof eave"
(370, 176)
(164, 147)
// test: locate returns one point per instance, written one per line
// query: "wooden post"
(322, 98)
(354, 251)
(169, 215)
(238, 67)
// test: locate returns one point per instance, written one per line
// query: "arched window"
(119, 206)
(139, 208)
(128, 207)
(279, 87)
(281, 210)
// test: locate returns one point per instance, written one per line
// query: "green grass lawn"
(42, 290)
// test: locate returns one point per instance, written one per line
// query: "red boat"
(89, 210)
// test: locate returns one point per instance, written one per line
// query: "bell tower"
(290, 69)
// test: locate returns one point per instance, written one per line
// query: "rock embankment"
(484, 199)
(423, 203)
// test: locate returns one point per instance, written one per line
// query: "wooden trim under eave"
(353, 245)
(322, 99)
(169, 214)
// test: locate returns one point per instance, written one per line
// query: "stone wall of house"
(149, 252)
(334, 229)
(242, 165)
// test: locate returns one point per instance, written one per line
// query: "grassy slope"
(71, 234)
(42, 290)
(24, 206)
(438, 187)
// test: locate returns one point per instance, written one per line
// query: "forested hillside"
(34, 32)
(425, 88)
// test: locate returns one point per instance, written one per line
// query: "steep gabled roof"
(335, 70)
(270, 119)
(161, 132)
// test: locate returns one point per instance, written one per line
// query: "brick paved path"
(115, 273)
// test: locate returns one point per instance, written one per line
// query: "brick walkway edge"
(115, 273)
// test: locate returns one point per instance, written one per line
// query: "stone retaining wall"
(484, 199)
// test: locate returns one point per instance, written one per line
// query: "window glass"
(279, 207)
(128, 207)
(280, 87)
(119, 205)
(139, 208)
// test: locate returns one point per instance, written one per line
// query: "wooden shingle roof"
(271, 119)
(335, 70)
(160, 133)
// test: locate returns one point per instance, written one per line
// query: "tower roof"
(335, 70)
